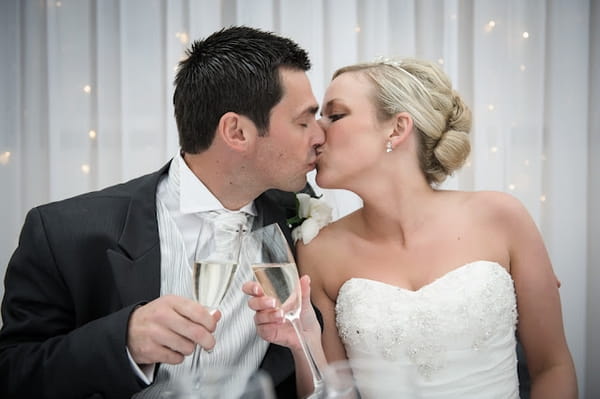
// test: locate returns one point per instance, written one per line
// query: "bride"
(434, 284)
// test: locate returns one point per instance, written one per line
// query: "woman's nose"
(321, 122)
(320, 133)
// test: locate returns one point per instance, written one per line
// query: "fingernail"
(272, 302)
(279, 314)
(255, 290)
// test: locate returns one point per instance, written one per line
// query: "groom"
(89, 310)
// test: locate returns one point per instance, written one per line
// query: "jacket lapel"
(136, 267)
(271, 210)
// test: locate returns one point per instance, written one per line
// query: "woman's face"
(354, 138)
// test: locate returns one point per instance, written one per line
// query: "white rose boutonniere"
(313, 214)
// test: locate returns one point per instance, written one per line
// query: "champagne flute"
(339, 381)
(275, 269)
(215, 264)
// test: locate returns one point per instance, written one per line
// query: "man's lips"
(318, 153)
(315, 161)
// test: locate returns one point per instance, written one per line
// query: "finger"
(309, 318)
(216, 314)
(252, 288)
(197, 313)
(183, 334)
(262, 303)
(157, 344)
(305, 289)
(194, 334)
(207, 341)
(172, 340)
(162, 354)
(270, 334)
(270, 316)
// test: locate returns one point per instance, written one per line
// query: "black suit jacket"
(80, 268)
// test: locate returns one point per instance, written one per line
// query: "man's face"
(287, 152)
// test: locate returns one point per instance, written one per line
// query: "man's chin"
(294, 185)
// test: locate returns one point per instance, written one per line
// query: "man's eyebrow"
(311, 110)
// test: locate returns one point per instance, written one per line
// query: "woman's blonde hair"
(440, 116)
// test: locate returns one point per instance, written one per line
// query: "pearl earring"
(388, 146)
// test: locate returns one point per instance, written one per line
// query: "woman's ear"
(236, 131)
(403, 127)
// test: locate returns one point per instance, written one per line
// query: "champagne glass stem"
(317, 376)
(196, 358)
(198, 352)
(195, 367)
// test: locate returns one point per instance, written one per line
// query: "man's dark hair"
(233, 70)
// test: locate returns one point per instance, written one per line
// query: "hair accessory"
(398, 64)
(388, 146)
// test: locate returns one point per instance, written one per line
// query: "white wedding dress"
(453, 338)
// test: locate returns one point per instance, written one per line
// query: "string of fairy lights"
(489, 27)
(183, 38)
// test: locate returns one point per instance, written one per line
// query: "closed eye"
(335, 117)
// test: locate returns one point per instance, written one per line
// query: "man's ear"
(403, 127)
(236, 131)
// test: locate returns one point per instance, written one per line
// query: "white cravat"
(229, 228)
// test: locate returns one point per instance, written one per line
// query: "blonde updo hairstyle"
(440, 117)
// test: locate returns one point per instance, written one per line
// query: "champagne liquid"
(280, 281)
(211, 279)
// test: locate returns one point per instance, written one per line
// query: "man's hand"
(168, 329)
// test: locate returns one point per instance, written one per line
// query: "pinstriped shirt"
(182, 201)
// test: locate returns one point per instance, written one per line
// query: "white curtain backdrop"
(86, 90)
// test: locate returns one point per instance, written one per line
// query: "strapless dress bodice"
(452, 338)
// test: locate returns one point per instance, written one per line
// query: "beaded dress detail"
(452, 338)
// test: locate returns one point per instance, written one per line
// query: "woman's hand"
(270, 320)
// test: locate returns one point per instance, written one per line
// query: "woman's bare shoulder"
(328, 245)
(496, 205)
(336, 230)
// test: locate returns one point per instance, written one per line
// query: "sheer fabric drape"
(86, 102)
